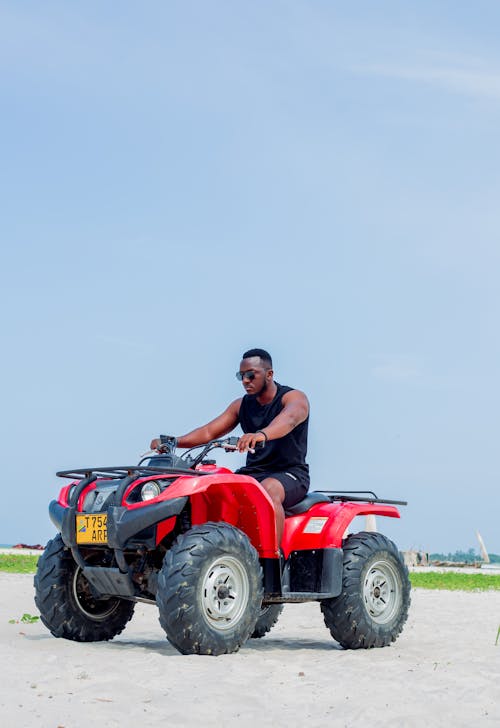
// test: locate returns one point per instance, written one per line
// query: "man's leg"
(275, 490)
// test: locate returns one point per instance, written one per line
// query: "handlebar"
(229, 444)
(168, 446)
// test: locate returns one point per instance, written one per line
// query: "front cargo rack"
(122, 471)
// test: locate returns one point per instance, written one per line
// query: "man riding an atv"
(201, 542)
(274, 415)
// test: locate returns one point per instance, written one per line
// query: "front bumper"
(124, 524)
(126, 527)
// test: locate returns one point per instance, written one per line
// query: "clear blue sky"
(181, 181)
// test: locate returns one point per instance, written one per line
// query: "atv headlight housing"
(150, 490)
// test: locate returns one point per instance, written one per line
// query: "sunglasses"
(245, 375)
(250, 374)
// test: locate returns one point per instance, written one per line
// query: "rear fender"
(324, 525)
(236, 499)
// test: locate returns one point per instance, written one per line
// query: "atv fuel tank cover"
(315, 525)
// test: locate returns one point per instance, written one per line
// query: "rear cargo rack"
(362, 496)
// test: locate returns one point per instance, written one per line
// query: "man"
(270, 413)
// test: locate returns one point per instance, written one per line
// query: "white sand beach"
(444, 670)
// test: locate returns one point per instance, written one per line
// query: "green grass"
(18, 563)
(452, 581)
(22, 564)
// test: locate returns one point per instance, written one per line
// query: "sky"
(181, 181)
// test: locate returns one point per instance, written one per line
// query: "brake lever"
(230, 447)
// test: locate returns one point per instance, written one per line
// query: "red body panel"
(164, 528)
(221, 495)
(63, 494)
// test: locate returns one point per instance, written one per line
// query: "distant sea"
(5, 545)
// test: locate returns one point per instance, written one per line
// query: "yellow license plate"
(92, 528)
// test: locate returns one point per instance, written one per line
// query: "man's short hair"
(264, 355)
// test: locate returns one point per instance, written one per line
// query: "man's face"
(255, 377)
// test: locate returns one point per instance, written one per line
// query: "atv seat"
(310, 500)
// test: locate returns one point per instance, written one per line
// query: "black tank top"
(286, 454)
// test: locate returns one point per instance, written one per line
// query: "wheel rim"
(381, 591)
(96, 609)
(225, 593)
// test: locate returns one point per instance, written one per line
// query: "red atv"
(200, 542)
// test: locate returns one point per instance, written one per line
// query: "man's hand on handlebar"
(251, 440)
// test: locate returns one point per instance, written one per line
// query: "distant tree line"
(467, 557)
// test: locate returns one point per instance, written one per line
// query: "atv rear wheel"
(210, 590)
(373, 605)
(268, 617)
(66, 603)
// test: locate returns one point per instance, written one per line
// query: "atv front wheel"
(268, 617)
(210, 590)
(373, 605)
(65, 601)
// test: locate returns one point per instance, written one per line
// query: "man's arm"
(295, 410)
(218, 427)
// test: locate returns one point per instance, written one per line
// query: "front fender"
(236, 499)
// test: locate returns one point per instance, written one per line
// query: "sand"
(444, 670)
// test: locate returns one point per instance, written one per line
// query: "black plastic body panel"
(125, 524)
(56, 513)
(306, 575)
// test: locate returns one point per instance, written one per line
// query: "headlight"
(150, 490)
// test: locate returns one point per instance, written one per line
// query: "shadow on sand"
(163, 647)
